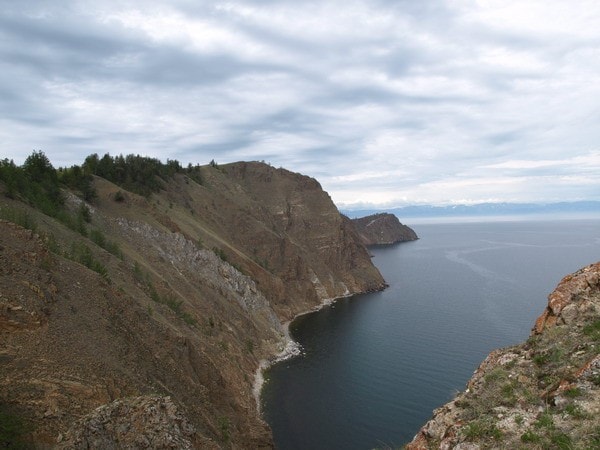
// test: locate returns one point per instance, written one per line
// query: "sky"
(385, 103)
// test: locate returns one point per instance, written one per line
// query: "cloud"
(383, 101)
(591, 161)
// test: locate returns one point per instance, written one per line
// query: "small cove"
(374, 366)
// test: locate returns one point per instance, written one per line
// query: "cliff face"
(287, 224)
(382, 228)
(544, 393)
(146, 326)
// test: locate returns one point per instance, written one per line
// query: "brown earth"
(175, 329)
(383, 229)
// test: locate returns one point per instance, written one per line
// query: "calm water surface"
(376, 365)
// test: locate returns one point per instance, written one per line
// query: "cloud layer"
(385, 102)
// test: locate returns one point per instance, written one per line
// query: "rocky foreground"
(544, 393)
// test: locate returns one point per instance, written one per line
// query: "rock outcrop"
(147, 324)
(383, 229)
(544, 393)
(138, 422)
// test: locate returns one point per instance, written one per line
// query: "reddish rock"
(574, 289)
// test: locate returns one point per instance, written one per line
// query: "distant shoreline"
(532, 217)
(483, 211)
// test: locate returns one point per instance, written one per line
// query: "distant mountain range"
(485, 209)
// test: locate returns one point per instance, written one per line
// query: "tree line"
(39, 183)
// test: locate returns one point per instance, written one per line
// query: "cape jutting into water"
(375, 366)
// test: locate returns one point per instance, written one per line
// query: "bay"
(374, 366)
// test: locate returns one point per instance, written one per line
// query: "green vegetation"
(595, 437)
(223, 256)
(220, 253)
(40, 185)
(214, 165)
(18, 216)
(193, 172)
(98, 238)
(139, 174)
(77, 179)
(528, 389)
(83, 255)
(119, 196)
(12, 429)
(530, 436)
(593, 330)
(224, 427)
(139, 273)
(573, 392)
(480, 429)
(169, 300)
(36, 182)
(575, 411)
(261, 262)
(188, 318)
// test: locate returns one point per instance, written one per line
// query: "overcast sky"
(386, 103)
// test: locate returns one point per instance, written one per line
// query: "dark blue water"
(376, 365)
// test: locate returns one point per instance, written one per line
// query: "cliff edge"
(544, 393)
(137, 299)
(383, 229)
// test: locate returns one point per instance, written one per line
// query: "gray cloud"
(385, 102)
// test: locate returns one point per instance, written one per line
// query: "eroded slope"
(160, 308)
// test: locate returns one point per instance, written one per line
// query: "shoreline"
(293, 348)
(290, 350)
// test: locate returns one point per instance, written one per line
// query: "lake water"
(376, 365)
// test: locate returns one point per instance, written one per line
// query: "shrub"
(18, 216)
(77, 179)
(530, 436)
(188, 318)
(83, 255)
(575, 411)
(100, 240)
(481, 429)
(573, 392)
(593, 330)
(220, 253)
(545, 421)
(12, 429)
(84, 213)
(224, 426)
(561, 441)
(119, 197)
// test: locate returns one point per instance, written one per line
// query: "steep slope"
(72, 341)
(161, 307)
(382, 228)
(544, 393)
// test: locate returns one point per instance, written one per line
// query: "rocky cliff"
(544, 393)
(382, 228)
(142, 324)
